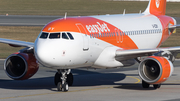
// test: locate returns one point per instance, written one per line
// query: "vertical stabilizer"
(156, 7)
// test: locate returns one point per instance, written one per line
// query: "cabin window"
(101, 34)
(117, 34)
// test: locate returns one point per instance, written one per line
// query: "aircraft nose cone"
(48, 53)
(41, 53)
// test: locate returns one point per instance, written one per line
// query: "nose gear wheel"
(63, 79)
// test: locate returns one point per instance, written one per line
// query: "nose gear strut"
(63, 79)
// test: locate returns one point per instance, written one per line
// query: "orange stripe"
(165, 21)
(90, 26)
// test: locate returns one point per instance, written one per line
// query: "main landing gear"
(63, 79)
(146, 85)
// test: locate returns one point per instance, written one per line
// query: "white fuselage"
(85, 50)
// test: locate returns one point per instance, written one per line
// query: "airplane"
(102, 41)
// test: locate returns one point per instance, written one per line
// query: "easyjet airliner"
(103, 41)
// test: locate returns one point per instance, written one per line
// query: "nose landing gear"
(63, 79)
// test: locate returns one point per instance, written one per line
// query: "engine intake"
(21, 66)
(155, 69)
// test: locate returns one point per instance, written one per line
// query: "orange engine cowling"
(21, 66)
(155, 69)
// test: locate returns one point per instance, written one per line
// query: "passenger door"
(84, 35)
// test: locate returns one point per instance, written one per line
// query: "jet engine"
(155, 69)
(21, 66)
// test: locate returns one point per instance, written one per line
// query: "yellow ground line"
(138, 80)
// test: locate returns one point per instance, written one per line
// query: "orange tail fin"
(156, 7)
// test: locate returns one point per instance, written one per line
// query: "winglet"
(156, 7)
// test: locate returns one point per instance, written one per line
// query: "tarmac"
(119, 84)
(26, 20)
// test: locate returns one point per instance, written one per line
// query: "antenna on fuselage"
(140, 12)
(124, 11)
(65, 15)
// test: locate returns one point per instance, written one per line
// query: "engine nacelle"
(155, 69)
(21, 66)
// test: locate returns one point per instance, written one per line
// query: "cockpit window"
(70, 36)
(57, 35)
(64, 36)
(44, 35)
(54, 36)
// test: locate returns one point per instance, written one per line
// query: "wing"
(16, 42)
(130, 54)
